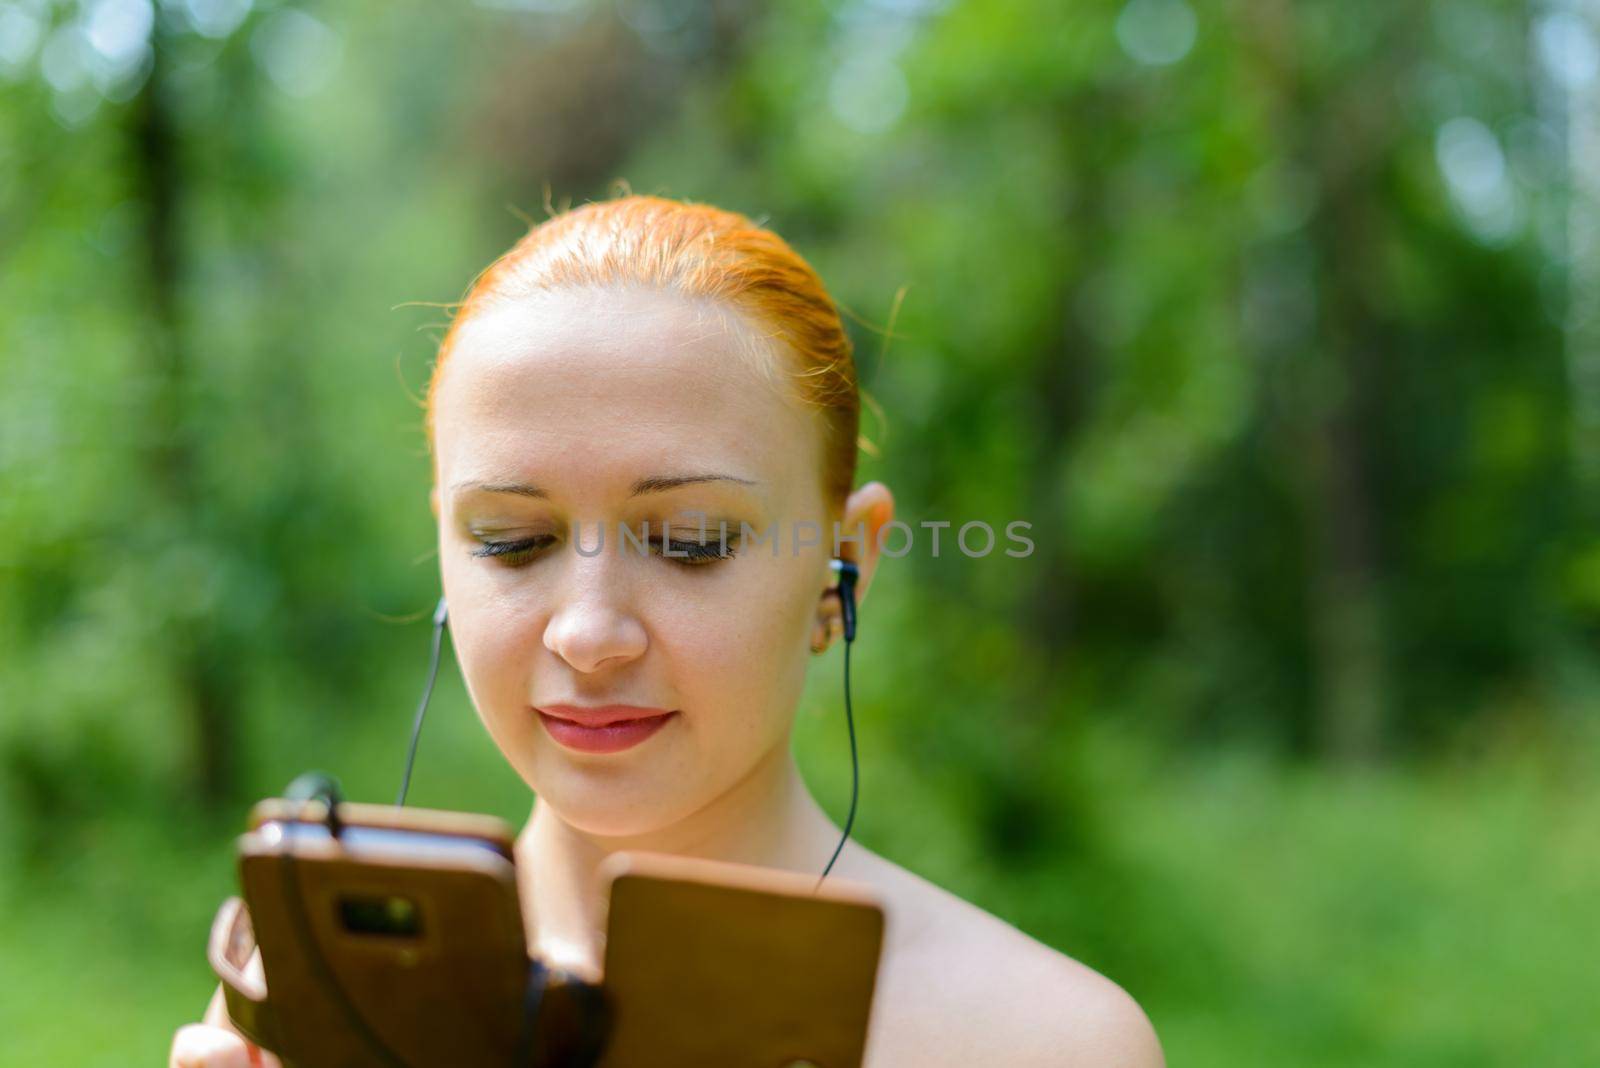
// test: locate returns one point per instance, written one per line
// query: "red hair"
(701, 252)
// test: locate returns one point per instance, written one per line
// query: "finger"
(203, 1046)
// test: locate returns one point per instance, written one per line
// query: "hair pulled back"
(701, 252)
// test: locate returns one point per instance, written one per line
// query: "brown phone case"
(425, 998)
(712, 963)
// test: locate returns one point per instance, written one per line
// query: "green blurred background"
(1276, 319)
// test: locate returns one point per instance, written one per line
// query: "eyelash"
(690, 553)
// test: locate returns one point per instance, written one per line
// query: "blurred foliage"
(1275, 320)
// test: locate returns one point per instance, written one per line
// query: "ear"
(433, 501)
(859, 537)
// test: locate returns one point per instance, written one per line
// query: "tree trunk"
(1357, 136)
(169, 448)
(1346, 138)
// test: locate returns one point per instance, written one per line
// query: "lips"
(602, 728)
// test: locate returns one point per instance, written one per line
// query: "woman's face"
(583, 409)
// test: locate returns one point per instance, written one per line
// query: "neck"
(768, 818)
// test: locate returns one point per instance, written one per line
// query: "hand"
(206, 1046)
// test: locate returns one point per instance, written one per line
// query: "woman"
(643, 361)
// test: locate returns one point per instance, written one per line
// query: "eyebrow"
(650, 484)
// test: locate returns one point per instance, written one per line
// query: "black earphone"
(847, 573)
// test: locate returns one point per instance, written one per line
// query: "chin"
(607, 821)
(609, 802)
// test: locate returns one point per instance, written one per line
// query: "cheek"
(743, 651)
(493, 638)
(495, 650)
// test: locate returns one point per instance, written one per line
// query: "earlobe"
(829, 624)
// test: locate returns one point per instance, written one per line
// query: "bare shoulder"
(960, 986)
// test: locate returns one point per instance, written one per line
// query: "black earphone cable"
(313, 786)
(439, 615)
(855, 766)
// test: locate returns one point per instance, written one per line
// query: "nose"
(593, 627)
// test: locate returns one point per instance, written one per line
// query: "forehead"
(599, 386)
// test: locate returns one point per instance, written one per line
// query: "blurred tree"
(1246, 308)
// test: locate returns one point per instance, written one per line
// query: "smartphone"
(399, 940)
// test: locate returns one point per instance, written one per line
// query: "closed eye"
(679, 551)
(512, 553)
(695, 553)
